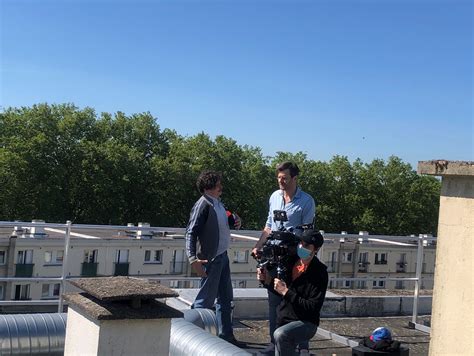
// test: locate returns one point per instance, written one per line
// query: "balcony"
(401, 267)
(363, 266)
(24, 269)
(178, 267)
(89, 269)
(121, 269)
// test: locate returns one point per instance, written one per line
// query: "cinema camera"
(279, 251)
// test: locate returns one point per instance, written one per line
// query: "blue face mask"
(303, 253)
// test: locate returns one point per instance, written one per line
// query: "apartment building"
(160, 254)
(377, 259)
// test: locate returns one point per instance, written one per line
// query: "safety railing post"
(419, 268)
(67, 239)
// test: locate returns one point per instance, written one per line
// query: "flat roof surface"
(255, 334)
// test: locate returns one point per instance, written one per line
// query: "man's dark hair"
(292, 167)
(208, 180)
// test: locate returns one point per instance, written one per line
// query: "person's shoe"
(304, 352)
(269, 350)
(234, 341)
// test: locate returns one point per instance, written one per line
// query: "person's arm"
(266, 230)
(309, 211)
(263, 237)
(197, 219)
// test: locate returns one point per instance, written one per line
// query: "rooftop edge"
(441, 167)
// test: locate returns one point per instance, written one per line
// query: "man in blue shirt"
(300, 210)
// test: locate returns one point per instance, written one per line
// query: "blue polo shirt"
(300, 210)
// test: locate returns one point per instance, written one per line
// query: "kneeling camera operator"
(302, 290)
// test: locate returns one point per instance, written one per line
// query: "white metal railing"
(422, 240)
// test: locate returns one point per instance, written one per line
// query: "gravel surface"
(255, 334)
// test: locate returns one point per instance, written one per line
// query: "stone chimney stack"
(453, 300)
(118, 316)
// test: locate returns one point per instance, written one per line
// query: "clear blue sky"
(365, 79)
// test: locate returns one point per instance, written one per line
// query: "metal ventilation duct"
(44, 334)
(32, 334)
(189, 339)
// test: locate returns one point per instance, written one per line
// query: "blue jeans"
(273, 302)
(292, 334)
(218, 285)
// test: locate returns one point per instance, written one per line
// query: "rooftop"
(254, 332)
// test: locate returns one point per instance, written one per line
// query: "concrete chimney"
(453, 300)
(118, 316)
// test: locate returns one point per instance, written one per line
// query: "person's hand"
(198, 267)
(263, 276)
(279, 286)
(254, 252)
(238, 222)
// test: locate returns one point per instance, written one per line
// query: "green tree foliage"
(59, 162)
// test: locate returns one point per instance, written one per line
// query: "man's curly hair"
(208, 180)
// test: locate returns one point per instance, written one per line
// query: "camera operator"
(300, 210)
(303, 297)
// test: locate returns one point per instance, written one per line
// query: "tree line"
(59, 162)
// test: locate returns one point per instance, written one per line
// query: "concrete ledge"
(443, 167)
(252, 303)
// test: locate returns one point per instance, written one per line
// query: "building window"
(347, 284)
(179, 262)
(381, 258)
(22, 292)
(59, 256)
(3, 259)
(2, 291)
(50, 290)
(241, 256)
(121, 256)
(24, 257)
(399, 285)
(90, 256)
(361, 284)
(153, 256)
(347, 257)
(378, 283)
(54, 257)
(239, 284)
(363, 257)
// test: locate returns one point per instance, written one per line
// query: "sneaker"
(304, 352)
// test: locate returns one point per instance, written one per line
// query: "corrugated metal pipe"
(189, 339)
(44, 334)
(204, 318)
(32, 334)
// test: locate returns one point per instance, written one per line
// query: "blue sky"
(365, 79)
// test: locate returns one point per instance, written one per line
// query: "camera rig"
(279, 251)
